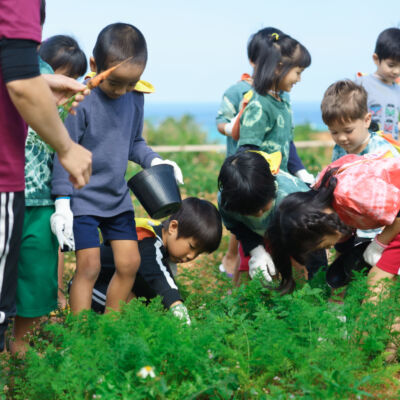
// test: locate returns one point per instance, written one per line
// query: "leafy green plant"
(244, 343)
(249, 342)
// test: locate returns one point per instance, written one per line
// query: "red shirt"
(19, 19)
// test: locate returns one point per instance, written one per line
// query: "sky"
(197, 49)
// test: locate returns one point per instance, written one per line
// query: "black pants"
(12, 207)
(315, 261)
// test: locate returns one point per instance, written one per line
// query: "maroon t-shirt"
(19, 19)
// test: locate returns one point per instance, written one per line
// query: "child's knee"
(128, 266)
(88, 268)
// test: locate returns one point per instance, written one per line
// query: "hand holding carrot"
(64, 87)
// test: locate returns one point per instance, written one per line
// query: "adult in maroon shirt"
(26, 98)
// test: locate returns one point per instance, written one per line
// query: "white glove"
(229, 126)
(61, 224)
(260, 260)
(305, 176)
(177, 170)
(373, 252)
(180, 311)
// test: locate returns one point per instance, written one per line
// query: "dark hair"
(116, 43)
(42, 12)
(344, 101)
(200, 220)
(63, 51)
(388, 44)
(300, 224)
(246, 183)
(256, 42)
(279, 53)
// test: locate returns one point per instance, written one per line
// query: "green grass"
(244, 343)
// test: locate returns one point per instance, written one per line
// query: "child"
(353, 192)
(383, 91)
(344, 111)
(228, 113)
(109, 122)
(195, 228)
(64, 55)
(266, 123)
(251, 186)
(37, 266)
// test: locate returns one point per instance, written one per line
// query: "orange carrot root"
(96, 80)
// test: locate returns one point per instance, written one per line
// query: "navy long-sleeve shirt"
(112, 130)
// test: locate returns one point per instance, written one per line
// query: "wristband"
(380, 243)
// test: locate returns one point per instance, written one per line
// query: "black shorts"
(12, 207)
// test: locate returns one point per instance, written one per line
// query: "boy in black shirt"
(195, 228)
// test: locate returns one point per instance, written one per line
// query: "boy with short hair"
(195, 228)
(383, 91)
(345, 112)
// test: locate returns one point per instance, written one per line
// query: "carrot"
(97, 79)
(92, 83)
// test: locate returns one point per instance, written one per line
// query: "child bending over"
(109, 123)
(251, 186)
(194, 229)
(354, 192)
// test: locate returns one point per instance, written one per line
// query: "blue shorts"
(118, 227)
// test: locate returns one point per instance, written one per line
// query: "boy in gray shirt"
(110, 124)
(383, 91)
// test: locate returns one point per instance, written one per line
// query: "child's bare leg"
(236, 276)
(62, 301)
(22, 326)
(300, 271)
(376, 282)
(127, 261)
(231, 258)
(87, 271)
(242, 278)
(337, 295)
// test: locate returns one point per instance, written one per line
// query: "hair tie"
(275, 35)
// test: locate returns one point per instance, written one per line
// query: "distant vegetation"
(175, 132)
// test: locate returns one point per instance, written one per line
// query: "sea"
(204, 114)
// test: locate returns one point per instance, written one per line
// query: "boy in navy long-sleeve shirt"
(109, 123)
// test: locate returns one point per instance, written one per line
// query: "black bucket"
(341, 270)
(157, 190)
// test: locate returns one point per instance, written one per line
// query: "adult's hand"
(35, 102)
(64, 87)
(78, 162)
